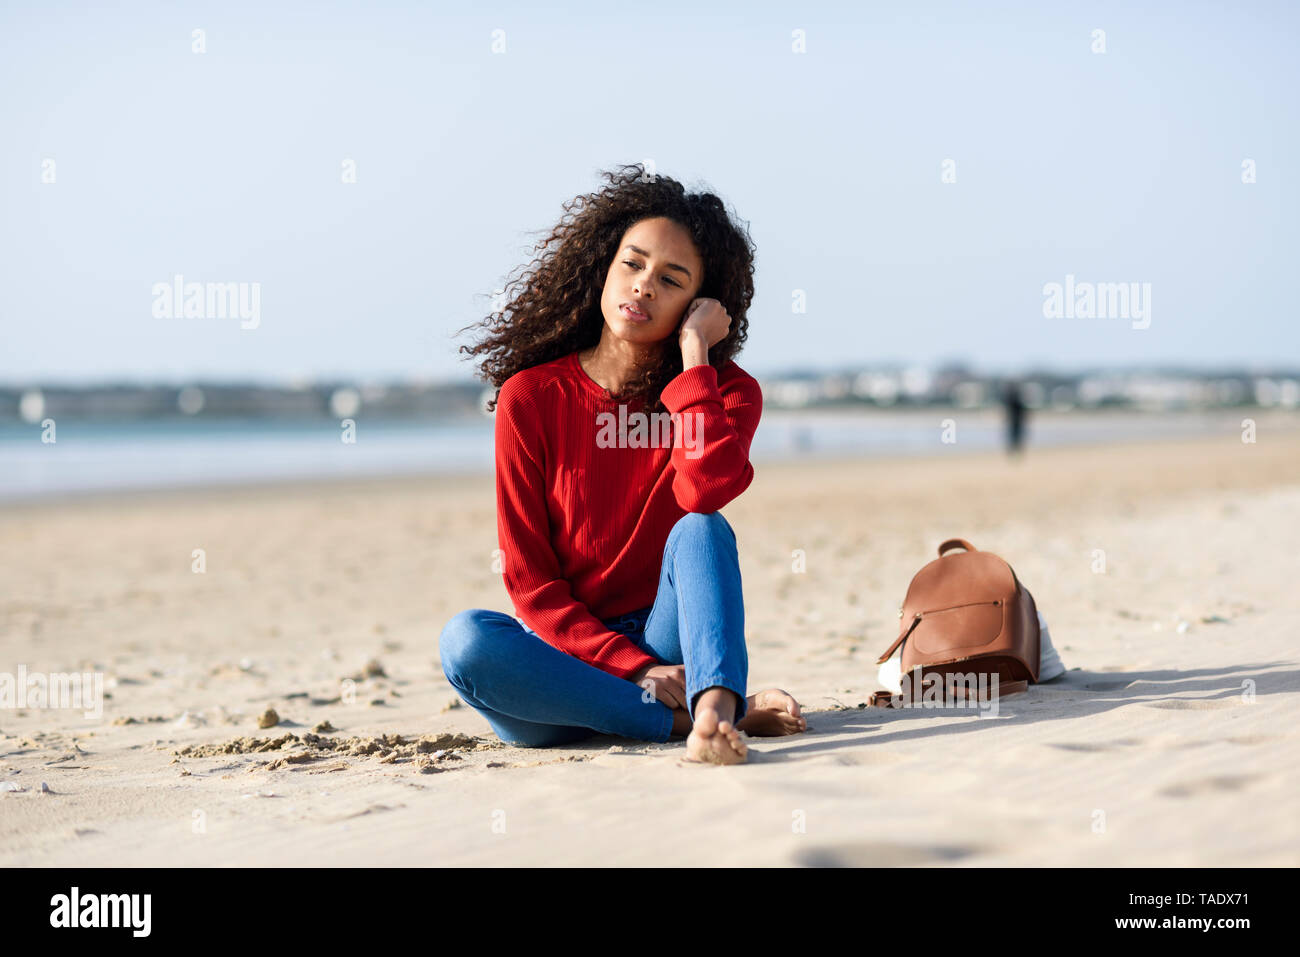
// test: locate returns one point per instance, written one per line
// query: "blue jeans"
(536, 696)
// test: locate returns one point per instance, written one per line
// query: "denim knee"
(705, 525)
(462, 641)
(702, 523)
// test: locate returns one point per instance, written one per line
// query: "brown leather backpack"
(966, 613)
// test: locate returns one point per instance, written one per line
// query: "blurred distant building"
(951, 385)
(955, 385)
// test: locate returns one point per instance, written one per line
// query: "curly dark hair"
(554, 308)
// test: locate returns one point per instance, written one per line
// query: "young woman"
(622, 426)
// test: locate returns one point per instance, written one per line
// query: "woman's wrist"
(695, 351)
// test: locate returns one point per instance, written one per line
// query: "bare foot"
(770, 714)
(712, 741)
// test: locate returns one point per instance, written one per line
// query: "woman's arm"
(544, 599)
(715, 428)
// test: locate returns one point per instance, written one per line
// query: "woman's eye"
(666, 278)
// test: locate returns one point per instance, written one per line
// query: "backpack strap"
(955, 543)
(916, 620)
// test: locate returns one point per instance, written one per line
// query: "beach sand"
(1172, 739)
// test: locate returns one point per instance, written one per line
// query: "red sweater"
(583, 522)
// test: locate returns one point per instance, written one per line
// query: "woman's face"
(657, 271)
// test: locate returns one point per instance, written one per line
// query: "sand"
(1172, 739)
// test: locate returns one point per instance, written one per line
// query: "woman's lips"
(633, 316)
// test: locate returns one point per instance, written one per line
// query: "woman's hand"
(666, 682)
(705, 319)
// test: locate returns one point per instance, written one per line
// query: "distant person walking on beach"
(1016, 413)
(622, 426)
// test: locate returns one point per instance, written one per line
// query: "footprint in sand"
(1192, 704)
(1097, 746)
(373, 809)
(1222, 783)
(1253, 738)
(882, 854)
(869, 758)
(1106, 685)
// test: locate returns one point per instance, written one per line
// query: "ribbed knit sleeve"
(542, 597)
(711, 461)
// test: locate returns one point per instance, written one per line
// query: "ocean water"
(99, 457)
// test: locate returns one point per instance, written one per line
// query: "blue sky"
(225, 166)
